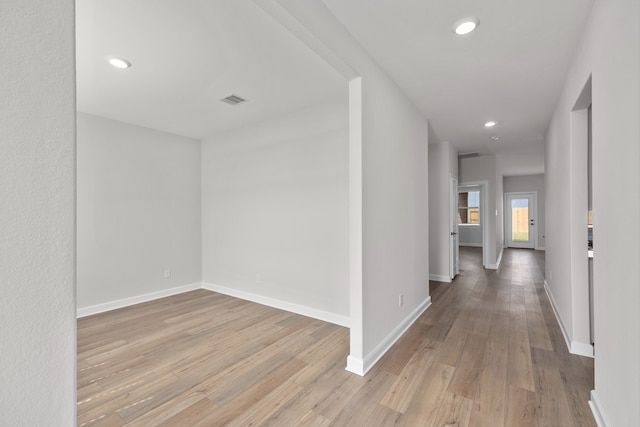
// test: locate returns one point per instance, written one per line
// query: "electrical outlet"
(400, 300)
(167, 273)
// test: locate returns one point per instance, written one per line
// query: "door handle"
(453, 233)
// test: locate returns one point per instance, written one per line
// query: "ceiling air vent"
(233, 100)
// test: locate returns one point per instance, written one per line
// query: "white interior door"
(453, 227)
(521, 220)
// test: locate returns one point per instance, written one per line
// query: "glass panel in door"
(520, 220)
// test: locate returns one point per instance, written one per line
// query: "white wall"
(37, 220)
(527, 162)
(616, 179)
(389, 135)
(275, 209)
(524, 183)
(138, 211)
(395, 209)
(470, 235)
(443, 163)
(483, 168)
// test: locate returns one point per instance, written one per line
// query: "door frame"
(454, 249)
(534, 215)
(484, 215)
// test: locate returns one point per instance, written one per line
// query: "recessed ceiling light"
(490, 124)
(465, 26)
(495, 138)
(119, 62)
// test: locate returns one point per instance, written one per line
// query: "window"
(469, 208)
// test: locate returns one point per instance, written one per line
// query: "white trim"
(361, 367)
(355, 365)
(280, 304)
(596, 409)
(356, 293)
(506, 223)
(126, 302)
(484, 213)
(541, 248)
(439, 278)
(567, 340)
(497, 264)
(574, 347)
(581, 349)
(454, 237)
(260, 299)
(471, 245)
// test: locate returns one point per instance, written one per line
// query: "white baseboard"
(439, 278)
(283, 305)
(598, 413)
(362, 366)
(581, 349)
(260, 299)
(497, 264)
(471, 245)
(355, 365)
(574, 347)
(125, 302)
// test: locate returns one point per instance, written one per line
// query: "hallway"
(498, 331)
(488, 352)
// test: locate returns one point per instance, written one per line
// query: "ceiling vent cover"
(233, 100)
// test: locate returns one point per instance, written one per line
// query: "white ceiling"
(511, 69)
(186, 56)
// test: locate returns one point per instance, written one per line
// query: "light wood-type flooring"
(488, 352)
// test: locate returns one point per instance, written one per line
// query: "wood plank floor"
(488, 352)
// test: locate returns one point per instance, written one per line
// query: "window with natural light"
(469, 208)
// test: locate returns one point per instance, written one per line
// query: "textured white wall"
(275, 209)
(37, 220)
(616, 179)
(138, 211)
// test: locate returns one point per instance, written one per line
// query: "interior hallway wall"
(37, 214)
(615, 74)
(138, 211)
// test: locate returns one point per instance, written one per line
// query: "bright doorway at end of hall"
(521, 219)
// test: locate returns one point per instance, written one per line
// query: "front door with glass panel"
(521, 220)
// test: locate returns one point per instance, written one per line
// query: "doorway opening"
(521, 220)
(472, 219)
